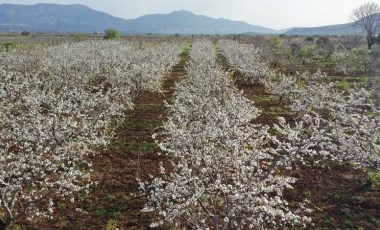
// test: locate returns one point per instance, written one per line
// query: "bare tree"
(350, 41)
(367, 16)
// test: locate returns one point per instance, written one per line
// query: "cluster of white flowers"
(38, 40)
(340, 58)
(350, 62)
(280, 86)
(347, 122)
(56, 105)
(340, 125)
(224, 170)
(245, 58)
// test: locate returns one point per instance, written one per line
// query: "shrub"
(9, 46)
(112, 34)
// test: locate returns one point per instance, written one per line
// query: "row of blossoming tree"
(348, 120)
(57, 104)
(226, 171)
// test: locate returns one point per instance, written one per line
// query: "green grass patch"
(275, 110)
(343, 85)
(141, 147)
(150, 107)
(307, 193)
(186, 48)
(140, 125)
(358, 198)
(111, 225)
(348, 224)
(149, 147)
(8, 46)
(121, 146)
(109, 197)
(61, 207)
(378, 141)
(119, 208)
(263, 98)
(373, 179)
(375, 221)
(100, 210)
(335, 196)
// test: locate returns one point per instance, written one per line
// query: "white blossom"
(223, 171)
(57, 104)
(245, 58)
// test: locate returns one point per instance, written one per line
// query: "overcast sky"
(276, 14)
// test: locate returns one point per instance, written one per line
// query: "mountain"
(340, 29)
(185, 22)
(80, 18)
(54, 18)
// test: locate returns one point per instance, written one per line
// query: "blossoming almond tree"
(349, 120)
(245, 58)
(346, 123)
(223, 172)
(57, 105)
(44, 138)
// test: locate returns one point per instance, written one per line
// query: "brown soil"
(338, 195)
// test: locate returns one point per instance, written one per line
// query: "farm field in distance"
(189, 132)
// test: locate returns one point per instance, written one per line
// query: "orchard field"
(189, 132)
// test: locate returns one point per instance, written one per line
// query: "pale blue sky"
(276, 14)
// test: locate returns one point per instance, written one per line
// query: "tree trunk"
(369, 44)
(370, 41)
(3, 226)
(374, 74)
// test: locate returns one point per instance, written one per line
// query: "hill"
(185, 22)
(55, 18)
(340, 29)
(80, 18)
